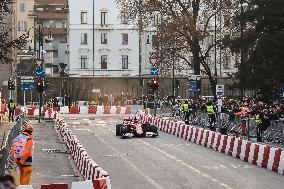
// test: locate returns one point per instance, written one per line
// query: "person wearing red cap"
(22, 151)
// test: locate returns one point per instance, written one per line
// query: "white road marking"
(73, 118)
(103, 122)
(138, 170)
(76, 123)
(111, 155)
(83, 130)
(174, 145)
(86, 119)
(185, 164)
(67, 175)
(236, 166)
(216, 167)
(113, 121)
(48, 149)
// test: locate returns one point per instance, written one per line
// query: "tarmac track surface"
(164, 162)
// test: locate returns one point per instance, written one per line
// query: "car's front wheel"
(123, 131)
(154, 130)
(117, 131)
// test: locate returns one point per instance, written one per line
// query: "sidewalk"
(50, 167)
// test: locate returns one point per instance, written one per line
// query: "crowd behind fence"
(232, 125)
(236, 117)
(5, 157)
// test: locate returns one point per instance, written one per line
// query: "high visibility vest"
(210, 109)
(258, 119)
(11, 105)
(22, 149)
(186, 107)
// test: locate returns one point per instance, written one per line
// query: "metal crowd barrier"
(5, 157)
(274, 133)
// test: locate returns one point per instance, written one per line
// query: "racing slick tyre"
(153, 129)
(123, 131)
(117, 131)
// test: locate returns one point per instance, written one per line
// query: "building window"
(124, 62)
(125, 38)
(22, 26)
(104, 62)
(84, 62)
(154, 41)
(103, 18)
(84, 18)
(124, 17)
(84, 38)
(55, 54)
(52, 24)
(104, 38)
(22, 7)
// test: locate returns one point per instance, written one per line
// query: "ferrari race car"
(133, 127)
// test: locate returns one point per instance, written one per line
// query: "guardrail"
(7, 144)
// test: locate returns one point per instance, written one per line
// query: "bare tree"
(7, 44)
(184, 29)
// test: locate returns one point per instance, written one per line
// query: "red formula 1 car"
(133, 127)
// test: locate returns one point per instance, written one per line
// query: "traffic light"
(46, 84)
(177, 83)
(11, 85)
(155, 84)
(40, 85)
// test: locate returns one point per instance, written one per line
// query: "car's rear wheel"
(123, 131)
(117, 133)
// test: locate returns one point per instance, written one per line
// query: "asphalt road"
(164, 162)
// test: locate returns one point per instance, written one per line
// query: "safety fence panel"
(5, 157)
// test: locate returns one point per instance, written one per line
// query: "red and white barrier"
(83, 110)
(87, 167)
(265, 156)
(96, 184)
(102, 183)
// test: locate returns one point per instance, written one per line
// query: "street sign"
(154, 71)
(192, 86)
(220, 90)
(27, 87)
(27, 83)
(39, 72)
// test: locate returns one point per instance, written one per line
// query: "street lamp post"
(215, 38)
(173, 79)
(40, 65)
(93, 38)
